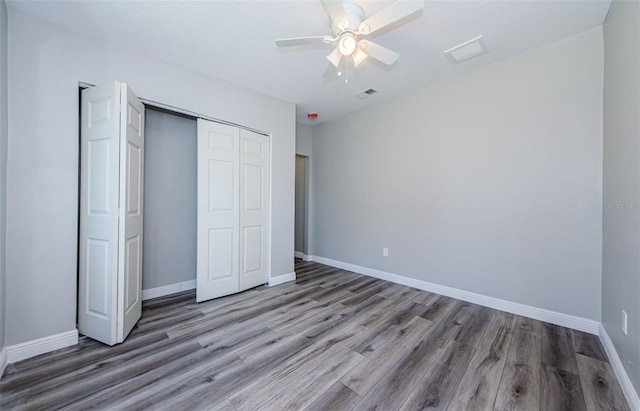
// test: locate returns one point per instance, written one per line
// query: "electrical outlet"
(385, 252)
(624, 322)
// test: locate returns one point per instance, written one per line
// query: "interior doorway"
(301, 207)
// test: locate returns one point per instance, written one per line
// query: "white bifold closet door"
(233, 210)
(111, 204)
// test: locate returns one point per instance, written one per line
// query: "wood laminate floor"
(333, 340)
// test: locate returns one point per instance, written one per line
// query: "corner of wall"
(3, 361)
(621, 374)
(621, 194)
(3, 175)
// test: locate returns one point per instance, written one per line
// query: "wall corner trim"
(168, 289)
(616, 363)
(281, 279)
(28, 349)
(3, 361)
(302, 256)
(554, 317)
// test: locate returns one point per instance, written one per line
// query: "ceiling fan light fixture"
(358, 56)
(334, 57)
(347, 44)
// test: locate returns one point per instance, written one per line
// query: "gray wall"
(621, 225)
(169, 200)
(46, 64)
(303, 139)
(3, 164)
(489, 182)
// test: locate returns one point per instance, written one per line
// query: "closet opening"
(170, 177)
(301, 206)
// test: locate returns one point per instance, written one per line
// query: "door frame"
(305, 232)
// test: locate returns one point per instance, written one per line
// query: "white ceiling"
(234, 41)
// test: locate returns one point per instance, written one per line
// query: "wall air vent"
(467, 50)
(366, 93)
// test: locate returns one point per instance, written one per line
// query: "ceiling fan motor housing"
(355, 16)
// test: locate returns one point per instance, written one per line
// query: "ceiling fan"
(349, 28)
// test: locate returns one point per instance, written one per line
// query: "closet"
(233, 211)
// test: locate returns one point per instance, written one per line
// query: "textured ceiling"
(234, 41)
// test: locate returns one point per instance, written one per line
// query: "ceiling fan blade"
(330, 72)
(303, 41)
(336, 12)
(390, 15)
(378, 52)
(334, 57)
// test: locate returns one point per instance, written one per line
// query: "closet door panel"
(221, 253)
(111, 203)
(254, 214)
(218, 210)
(98, 261)
(131, 212)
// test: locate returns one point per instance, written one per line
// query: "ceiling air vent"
(366, 93)
(467, 50)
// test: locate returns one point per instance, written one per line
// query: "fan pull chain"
(346, 71)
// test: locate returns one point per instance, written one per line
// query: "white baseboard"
(3, 361)
(191, 284)
(554, 317)
(168, 289)
(28, 349)
(623, 378)
(281, 279)
(303, 256)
